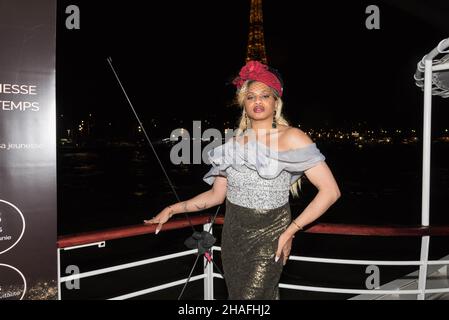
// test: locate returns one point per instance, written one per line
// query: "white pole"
(58, 252)
(208, 271)
(427, 143)
(427, 140)
(422, 280)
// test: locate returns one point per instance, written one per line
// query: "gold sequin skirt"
(248, 248)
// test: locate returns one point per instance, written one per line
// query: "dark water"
(121, 186)
(380, 185)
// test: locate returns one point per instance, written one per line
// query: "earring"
(274, 124)
(246, 120)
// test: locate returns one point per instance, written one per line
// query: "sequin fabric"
(247, 188)
(249, 243)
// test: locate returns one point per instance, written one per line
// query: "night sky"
(176, 58)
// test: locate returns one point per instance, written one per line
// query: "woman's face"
(259, 101)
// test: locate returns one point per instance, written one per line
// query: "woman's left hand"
(284, 247)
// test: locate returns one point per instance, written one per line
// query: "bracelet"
(297, 225)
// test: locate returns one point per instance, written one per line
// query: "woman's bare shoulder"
(295, 138)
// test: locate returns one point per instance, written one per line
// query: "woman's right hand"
(160, 219)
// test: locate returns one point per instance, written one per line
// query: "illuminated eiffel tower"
(256, 42)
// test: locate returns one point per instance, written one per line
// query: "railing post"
(59, 272)
(208, 271)
(427, 143)
(422, 280)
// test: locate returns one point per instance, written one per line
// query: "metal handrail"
(86, 238)
(69, 242)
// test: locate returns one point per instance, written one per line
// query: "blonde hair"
(280, 120)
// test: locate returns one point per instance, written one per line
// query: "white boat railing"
(209, 275)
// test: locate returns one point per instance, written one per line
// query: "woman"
(254, 172)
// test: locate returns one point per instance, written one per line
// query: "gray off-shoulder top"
(259, 177)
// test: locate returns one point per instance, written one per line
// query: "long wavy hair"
(243, 124)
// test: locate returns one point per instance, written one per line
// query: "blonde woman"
(254, 172)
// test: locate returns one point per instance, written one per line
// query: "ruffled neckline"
(257, 156)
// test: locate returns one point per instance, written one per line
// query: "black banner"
(28, 260)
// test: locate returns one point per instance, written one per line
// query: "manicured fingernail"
(276, 259)
(157, 231)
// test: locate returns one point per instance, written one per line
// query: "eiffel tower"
(256, 42)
